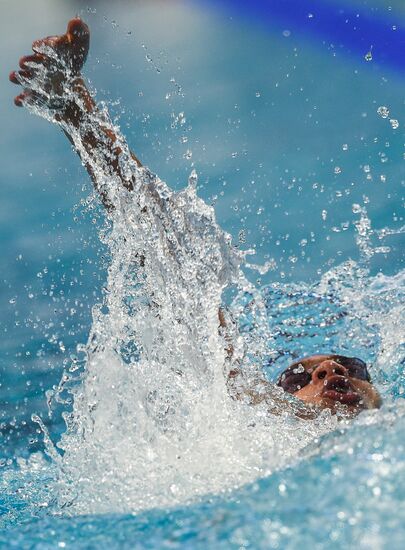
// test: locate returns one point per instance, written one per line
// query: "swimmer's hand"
(52, 74)
(54, 89)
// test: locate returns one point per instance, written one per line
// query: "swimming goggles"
(296, 376)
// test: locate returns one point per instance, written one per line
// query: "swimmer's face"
(331, 381)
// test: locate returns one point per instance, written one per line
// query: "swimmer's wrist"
(77, 103)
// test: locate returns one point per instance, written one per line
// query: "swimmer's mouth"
(339, 389)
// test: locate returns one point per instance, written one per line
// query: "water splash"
(152, 422)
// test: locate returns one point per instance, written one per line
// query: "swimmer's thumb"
(78, 35)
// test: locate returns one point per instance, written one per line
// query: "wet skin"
(51, 78)
(56, 61)
(327, 383)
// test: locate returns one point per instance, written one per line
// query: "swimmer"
(335, 382)
(51, 78)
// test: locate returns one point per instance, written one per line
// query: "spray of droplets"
(152, 422)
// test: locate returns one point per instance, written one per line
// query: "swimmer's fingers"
(32, 62)
(34, 98)
(23, 78)
(68, 50)
(32, 80)
(14, 77)
(45, 46)
(29, 97)
(20, 99)
(31, 66)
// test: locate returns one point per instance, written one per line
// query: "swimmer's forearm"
(257, 390)
(99, 144)
(254, 389)
(278, 402)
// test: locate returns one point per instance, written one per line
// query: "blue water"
(290, 509)
(284, 132)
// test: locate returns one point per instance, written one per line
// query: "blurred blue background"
(275, 105)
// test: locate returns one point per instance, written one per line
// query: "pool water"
(292, 143)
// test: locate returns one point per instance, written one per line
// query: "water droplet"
(193, 179)
(383, 111)
(182, 118)
(242, 236)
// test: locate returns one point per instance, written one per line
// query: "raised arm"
(54, 88)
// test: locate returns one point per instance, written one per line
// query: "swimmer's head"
(331, 381)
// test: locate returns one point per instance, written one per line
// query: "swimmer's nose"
(326, 370)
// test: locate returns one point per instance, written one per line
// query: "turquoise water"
(290, 509)
(285, 135)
